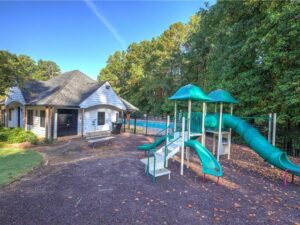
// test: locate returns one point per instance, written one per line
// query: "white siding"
(14, 117)
(14, 95)
(103, 96)
(14, 100)
(36, 128)
(90, 120)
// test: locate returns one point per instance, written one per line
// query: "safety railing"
(167, 150)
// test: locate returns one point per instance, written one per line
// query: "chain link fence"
(287, 137)
(261, 123)
(145, 124)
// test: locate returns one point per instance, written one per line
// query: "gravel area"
(107, 185)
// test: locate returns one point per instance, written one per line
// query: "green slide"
(157, 142)
(260, 145)
(209, 164)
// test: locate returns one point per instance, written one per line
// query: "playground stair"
(155, 165)
(172, 149)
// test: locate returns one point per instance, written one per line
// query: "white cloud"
(103, 20)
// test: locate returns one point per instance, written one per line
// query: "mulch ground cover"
(107, 185)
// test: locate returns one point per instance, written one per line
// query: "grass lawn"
(15, 162)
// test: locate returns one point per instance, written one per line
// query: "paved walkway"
(107, 185)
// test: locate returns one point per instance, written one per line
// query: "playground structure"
(182, 139)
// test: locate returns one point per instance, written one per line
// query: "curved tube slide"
(209, 163)
(260, 145)
(147, 147)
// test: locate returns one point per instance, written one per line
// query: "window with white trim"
(29, 117)
(42, 118)
(10, 114)
(101, 118)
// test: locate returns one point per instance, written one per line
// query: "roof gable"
(129, 106)
(14, 95)
(68, 89)
(104, 95)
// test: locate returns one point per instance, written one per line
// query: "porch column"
(47, 122)
(25, 118)
(6, 116)
(82, 122)
(128, 119)
(51, 119)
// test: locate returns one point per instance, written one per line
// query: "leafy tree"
(114, 72)
(45, 70)
(27, 66)
(14, 70)
(249, 48)
(9, 73)
(144, 73)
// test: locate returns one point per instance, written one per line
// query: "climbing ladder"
(156, 162)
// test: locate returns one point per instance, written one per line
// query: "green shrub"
(46, 141)
(17, 135)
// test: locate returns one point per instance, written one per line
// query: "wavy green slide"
(260, 145)
(209, 163)
(154, 144)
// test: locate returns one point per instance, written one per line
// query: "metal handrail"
(166, 149)
(162, 131)
(154, 151)
(173, 141)
(154, 163)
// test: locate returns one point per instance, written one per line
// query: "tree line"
(15, 69)
(249, 48)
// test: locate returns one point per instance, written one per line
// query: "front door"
(67, 120)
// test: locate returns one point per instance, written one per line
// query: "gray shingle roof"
(129, 106)
(67, 89)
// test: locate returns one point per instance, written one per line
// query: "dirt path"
(107, 185)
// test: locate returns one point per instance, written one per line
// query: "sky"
(83, 34)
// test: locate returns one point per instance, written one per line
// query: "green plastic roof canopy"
(192, 92)
(222, 96)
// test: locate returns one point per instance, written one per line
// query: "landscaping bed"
(16, 135)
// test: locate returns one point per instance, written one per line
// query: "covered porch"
(12, 114)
